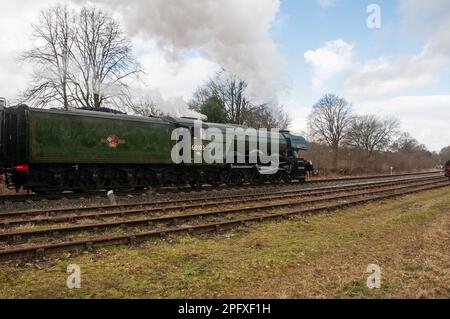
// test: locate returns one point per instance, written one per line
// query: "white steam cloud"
(231, 33)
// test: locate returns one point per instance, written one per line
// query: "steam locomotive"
(49, 151)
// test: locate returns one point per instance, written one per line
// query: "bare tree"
(55, 35)
(146, 108)
(444, 155)
(141, 104)
(369, 133)
(231, 92)
(329, 122)
(406, 143)
(281, 118)
(201, 95)
(83, 59)
(103, 57)
(266, 116)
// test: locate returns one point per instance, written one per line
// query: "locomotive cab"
(296, 145)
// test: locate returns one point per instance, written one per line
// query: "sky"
(386, 57)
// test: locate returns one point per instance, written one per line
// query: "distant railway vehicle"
(447, 169)
(51, 151)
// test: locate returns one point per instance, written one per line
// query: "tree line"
(346, 143)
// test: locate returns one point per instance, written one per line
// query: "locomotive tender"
(51, 151)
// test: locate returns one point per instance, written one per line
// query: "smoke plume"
(231, 33)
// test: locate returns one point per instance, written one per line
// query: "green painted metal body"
(83, 137)
(54, 150)
(90, 137)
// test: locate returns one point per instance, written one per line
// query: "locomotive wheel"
(214, 179)
(258, 179)
(286, 178)
(233, 179)
(240, 179)
(276, 179)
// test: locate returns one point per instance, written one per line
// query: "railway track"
(68, 195)
(73, 214)
(75, 232)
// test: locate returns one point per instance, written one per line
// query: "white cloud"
(425, 117)
(170, 82)
(388, 75)
(426, 20)
(230, 33)
(392, 75)
(172, 77)
(329, 60)
(15, 19)
(173, 105)
(334, 67)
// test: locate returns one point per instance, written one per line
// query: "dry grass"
(322, 256)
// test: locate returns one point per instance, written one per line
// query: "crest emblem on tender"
(113, 141)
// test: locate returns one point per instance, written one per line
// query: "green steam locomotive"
(51, 151)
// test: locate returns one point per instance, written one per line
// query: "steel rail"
(202, 203)
(21, 235)
(37, 197)
(78, 210)
(133, 238)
